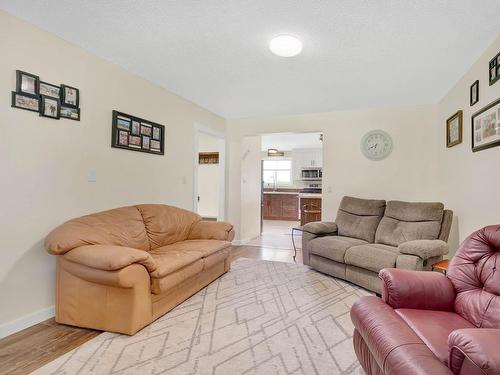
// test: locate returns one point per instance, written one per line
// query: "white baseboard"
(240, 242)
(26, 321)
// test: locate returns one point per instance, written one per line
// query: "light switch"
(92, 176)
(184, 180)
(329, 189)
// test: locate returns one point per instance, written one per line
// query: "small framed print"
(27, 84)
(155, 146)
(146, 129)
(70, 96)
(474, 93)
(70, 113)
(145, 142)
(123, 123)
(156, 133)
(28, 103)
(134, 141)
(50, 107)
(123, 137)
(485, 126)
(136, 128)
(49, 89)
(494, 69)
(454, 129)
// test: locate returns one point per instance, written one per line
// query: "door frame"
(203, 129)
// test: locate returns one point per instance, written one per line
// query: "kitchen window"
(277, 173)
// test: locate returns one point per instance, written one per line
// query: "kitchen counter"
(310, 195)
(282, 192)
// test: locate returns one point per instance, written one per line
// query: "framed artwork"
(70, 96)
(474, 93)
(454, 129)
(49, 89)
(25, 102)
(485, 126)
(27, 84)
(50, 107)
(70, 113)
(137, 134)
(494, 69)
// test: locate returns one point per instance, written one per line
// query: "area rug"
(260, 318)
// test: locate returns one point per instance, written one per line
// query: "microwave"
(311, 174)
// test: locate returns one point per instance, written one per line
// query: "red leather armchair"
(429, 323)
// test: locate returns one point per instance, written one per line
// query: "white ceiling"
(356, 54)
(290, 141)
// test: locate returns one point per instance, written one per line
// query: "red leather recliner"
(429, 323)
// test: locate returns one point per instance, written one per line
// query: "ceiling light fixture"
(285, 46)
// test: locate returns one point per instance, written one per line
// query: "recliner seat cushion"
(406, 221)
(333, 247)
(372, 257)
(434, 335)
(359, 218)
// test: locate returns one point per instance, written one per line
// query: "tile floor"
(277, 234)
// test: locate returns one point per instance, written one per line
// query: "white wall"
(469, 182)
(208, 178)
(409, 173)
(44, 162)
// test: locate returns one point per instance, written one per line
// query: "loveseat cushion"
(359, 218)
(408, 221)
(373, 257)
(166, 225)
(433, 328)
(118, 227)
(333, 247)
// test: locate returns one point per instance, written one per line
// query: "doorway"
(209, 174)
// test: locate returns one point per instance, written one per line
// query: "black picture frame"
(19, 84)
(115, 134)
(64, 99)
(63, 113)
(494, 69)
(474, 93)
(43, 99)
(55, 96)
(15, 104)
(494, 143)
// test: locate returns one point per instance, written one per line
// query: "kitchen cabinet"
(306, 158)
(310, 209)
(277, 206)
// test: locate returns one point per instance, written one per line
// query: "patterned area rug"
(260, 318)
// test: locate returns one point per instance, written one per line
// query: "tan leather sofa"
(121, 269)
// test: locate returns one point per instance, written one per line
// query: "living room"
(411, 79)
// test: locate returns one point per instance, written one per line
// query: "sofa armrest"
(109, 258)
(320, 228)
(417, 289)
(424, 249)
(211, 230)
(478, 346)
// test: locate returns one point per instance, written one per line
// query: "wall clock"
(376, 145)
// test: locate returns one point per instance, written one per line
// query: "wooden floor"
(27, 350)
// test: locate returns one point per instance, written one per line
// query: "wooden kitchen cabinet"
(313, 208)
(280, 207)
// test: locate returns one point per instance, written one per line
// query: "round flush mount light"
(285, 46)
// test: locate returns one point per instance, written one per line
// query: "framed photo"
(454, 129)
(70, 113)
(27, 84)
(136, 134)
(70, 96)
(49, 89)
(50, 107)
(474, 93)
(494, 69)
(25, 102)
(485, 126)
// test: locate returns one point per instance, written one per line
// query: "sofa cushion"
(405, 221)
(166, 225)
(359, 218)
(372, 257)
(163, 284)
(333, 247)
(433, 328)
(118, 227)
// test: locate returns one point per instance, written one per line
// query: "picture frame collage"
(485, 123)
(136, 134)
(47, 99)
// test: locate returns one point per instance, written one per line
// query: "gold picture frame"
(454, 129)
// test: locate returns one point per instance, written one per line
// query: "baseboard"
(240, 242)
(26, 321)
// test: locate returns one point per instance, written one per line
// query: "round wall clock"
(376, 145)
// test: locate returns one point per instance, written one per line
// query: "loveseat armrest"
(320, 228)
(422, 290)
(211, 230)
(424, 249)
(109, 257)
(475, 349)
